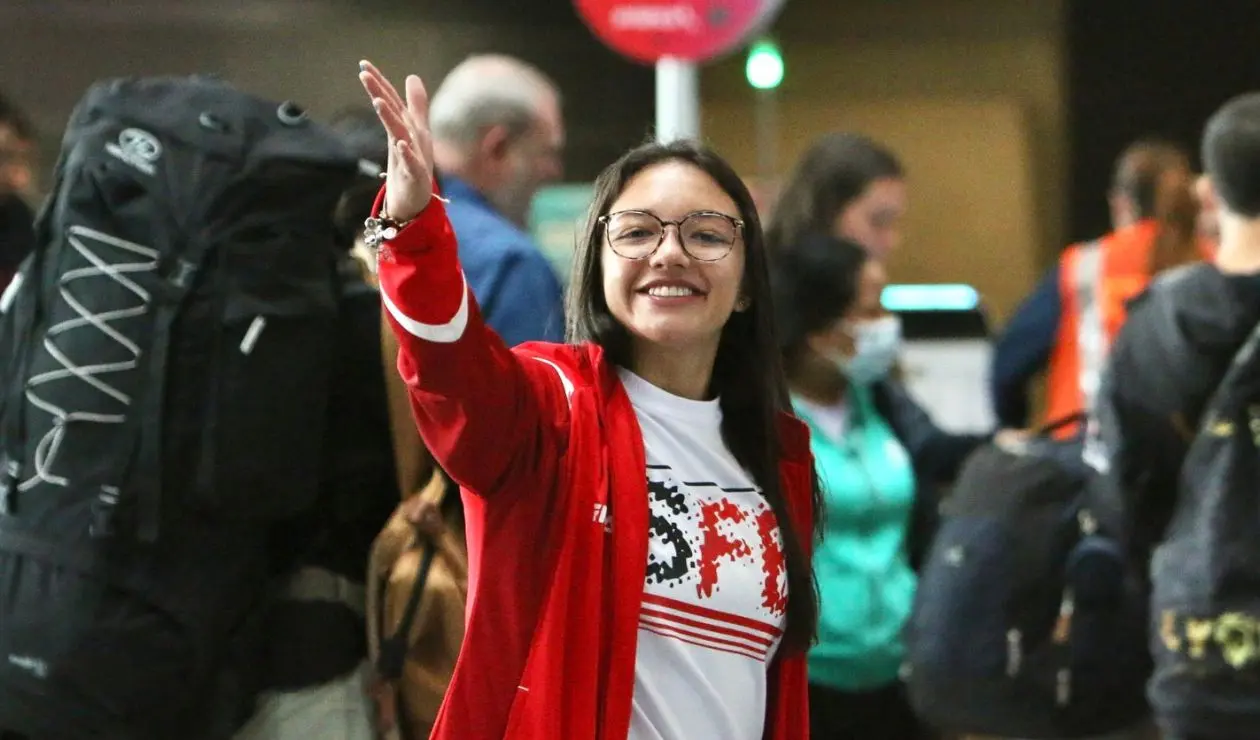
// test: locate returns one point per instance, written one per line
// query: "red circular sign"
(691, 30)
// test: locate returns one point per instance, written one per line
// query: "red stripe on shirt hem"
(673, 634)
(717, 616)
(759, 639)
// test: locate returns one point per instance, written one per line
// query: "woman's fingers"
(413, 161)
(383, 88)
(385, 99)
(393, 122)
(417, 100)
(372, 84)
(408, 185)
(418, 107)
(379, 99)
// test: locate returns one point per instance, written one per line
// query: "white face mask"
(876, 343)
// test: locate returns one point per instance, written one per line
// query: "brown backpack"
(417, 583)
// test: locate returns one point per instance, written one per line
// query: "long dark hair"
(747, 375)
(815, 282)
(831, 174)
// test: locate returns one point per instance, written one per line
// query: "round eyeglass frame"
(737, 222)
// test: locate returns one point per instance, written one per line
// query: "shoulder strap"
(389, 649)
(1237, 366)
(1053, 425)
(1091, 330)
(26, 318)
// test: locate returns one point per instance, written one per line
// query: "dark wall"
(609, 102)
(1148, 67)
(312, 57)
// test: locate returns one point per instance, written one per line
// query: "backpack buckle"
(8, 486)
(102, 524)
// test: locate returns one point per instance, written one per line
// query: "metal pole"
(767, 136)
(677, 100)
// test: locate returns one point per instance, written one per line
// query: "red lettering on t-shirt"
(714, 545)
(772, 563)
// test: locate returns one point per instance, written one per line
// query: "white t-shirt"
(831, 419)
(714, 604)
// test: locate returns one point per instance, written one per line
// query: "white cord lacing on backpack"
(84, 241)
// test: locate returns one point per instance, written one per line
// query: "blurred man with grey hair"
(498, 137)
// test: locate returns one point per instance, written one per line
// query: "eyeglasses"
(706, 236)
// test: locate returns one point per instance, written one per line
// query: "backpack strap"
(27, 314)
(1091, 330)
(146, 423)
(388, 650)
(1056, 424)
(391, 651)
(1237, 366)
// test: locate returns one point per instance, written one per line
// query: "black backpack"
(1027, 622)
(1205, 574)
(166, 357)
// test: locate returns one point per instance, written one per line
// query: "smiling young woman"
(639, 502)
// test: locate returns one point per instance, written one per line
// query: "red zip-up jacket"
(548, 451)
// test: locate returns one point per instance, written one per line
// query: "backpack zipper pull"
(1088, 523)
(1014, 652)
(1063, 687)
(1063, 625)
(9, 473)
(252, 333)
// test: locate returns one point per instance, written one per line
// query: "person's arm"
(489, 417)
(1023, 350)
(1142, 453)
(524, 302)
(937, 454)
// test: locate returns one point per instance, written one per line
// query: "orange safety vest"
(1096, 281)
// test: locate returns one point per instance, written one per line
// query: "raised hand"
(409, 172)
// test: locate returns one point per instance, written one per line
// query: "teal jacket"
(862, 564)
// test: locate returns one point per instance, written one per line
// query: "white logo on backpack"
(34, 666)
(138, 148)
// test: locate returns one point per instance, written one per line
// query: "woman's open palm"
(409, 171)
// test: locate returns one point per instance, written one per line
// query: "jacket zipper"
(874, 612)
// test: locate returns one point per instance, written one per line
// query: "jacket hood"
(1189, 319)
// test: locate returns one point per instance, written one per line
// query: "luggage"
(417, 595)
(165, 355)
(1027, 622)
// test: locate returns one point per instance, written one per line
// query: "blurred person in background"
(1188, 508)
(880, 459)
(316, 672)
(1068, 322)
(846, 185)
(17, 184)
(498, 136)
(1208, 225)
